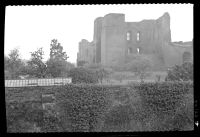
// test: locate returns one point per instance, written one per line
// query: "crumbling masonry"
(115, 40)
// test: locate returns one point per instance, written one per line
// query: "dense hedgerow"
(165, 101)
(84, 105)
(167, 106)
(163, 97)
(22, 116)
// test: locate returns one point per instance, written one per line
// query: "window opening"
(128, 35)
(138, 36)
(138, 50)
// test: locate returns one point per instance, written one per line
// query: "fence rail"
(37, 82)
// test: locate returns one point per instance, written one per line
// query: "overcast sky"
(31, 27)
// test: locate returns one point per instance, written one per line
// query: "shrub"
(83, 105)
(183, 72)
(82, 75)
(139, 64)
(119, 115)
(163, 100)
(101, 71)
(22, 116)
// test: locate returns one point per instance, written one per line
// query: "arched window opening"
(128, 36)
(138, 36)
(138, 50)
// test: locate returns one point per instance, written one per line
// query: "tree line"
(56, 65)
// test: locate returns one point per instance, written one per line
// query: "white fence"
(37, 82)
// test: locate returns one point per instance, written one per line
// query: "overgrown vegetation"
(56, 65)
(140, 65)
(182, 72)
(155, 106)
(164, 101)
(13, 65)
(82, 75)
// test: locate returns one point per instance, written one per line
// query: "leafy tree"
(101, 71)
(182, 72)
(57, 65)
(56, 68)
(36, 67)
(56, 51)
(82, 75)
(140, 65)
(13, 64)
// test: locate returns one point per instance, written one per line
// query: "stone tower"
(115, 40)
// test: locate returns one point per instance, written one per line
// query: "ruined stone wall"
(114, 40)
(97, 39)
(116, 47)
(173, 53)
(86, 51)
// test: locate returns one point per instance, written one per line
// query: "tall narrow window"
(128, 35)
(138, 36)
(138, 50)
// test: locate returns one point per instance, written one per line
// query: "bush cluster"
(82, 75)
(182, 72)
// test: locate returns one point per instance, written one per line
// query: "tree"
(56, 51)
(101, 71)
(57, 68)
(140, 65)
(13, 64)
(82, 75)
(36, 67)
(57, 65)
(182, 72)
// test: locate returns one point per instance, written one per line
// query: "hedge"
(163, 97)
(164, 101)
(85, 107)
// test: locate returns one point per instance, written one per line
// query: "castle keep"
(115, 40)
